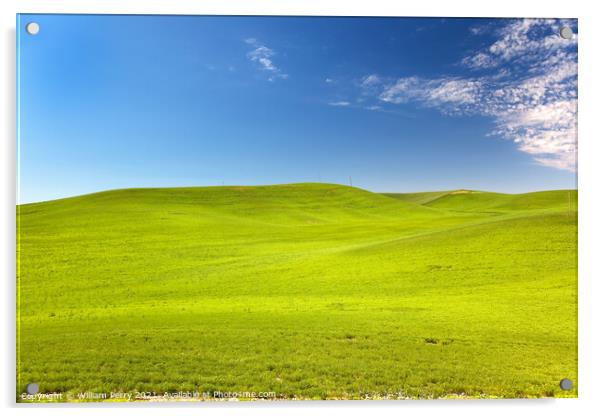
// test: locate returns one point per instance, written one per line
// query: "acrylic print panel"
(267, 208)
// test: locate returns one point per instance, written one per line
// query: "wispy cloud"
(373, 108)
(339, 103)
(526, 81)
(522, 40)
(370, 81)
(486, 26)
(262, 56)
(449, 93)
(370, 84)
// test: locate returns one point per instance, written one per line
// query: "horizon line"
(281, 184)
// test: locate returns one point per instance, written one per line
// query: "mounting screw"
(32, 28)
(566, 33)
(566, 384)
(32, 388)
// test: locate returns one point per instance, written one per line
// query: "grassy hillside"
(305, 290)
(417, 197)
(490, 202)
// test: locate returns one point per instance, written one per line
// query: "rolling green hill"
(304, 290)
(477, 201)
(417, 197)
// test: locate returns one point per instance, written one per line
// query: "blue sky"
(397, 104)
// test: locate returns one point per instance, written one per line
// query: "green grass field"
(306, 290)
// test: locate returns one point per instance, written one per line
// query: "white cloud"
(547, 131)
(262, 55)
(455, 91)
(339, 103)
(480, 29)
(370, 80)
(329, 80)
(528, 88)
(449, 94)
(403, 90)
(522, 40)
(479, 60)
(370, 84)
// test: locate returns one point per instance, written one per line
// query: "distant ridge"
(274, 203)
(471, 200)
